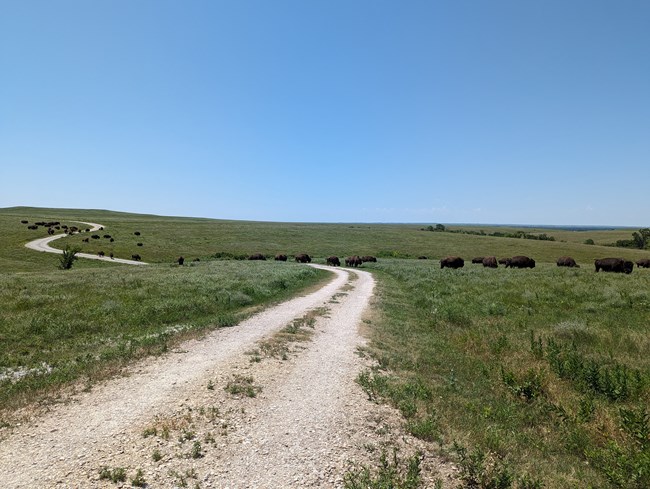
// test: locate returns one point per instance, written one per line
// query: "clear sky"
(475, 111)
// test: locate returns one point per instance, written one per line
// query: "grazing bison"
(107, 236)
(368, 258)
(490, 262)
(520, 262)
(618, 265)
(100, 253)
(33, 226)
(452, 262)
(567, 261)
(257, 256)
(86, 240)
(137, 233)
(643, 263)
(180, 260)
(353, 261)
(111, 255)
(478, 259)
(280, 257)
(139, 244)
(334, 261)
(303, 258)
(24, 222)
(136, 257)
(503, 261)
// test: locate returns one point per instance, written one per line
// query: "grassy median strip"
(61, 326)
(529, 378)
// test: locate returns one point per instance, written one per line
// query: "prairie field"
(526, 378)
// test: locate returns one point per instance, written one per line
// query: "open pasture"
(529, 378)
(541, 377)
(164, 239)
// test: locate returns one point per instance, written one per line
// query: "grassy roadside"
(85, 323)
(539, 377)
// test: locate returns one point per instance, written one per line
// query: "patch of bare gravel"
(179, 421)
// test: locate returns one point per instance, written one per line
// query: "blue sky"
(430, 111)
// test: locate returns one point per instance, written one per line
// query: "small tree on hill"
(68, 258)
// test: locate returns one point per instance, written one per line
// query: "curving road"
(297, 433)
(43, 245)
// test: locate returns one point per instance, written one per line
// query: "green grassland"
(166, 238)
(540, 377)
(527, 378)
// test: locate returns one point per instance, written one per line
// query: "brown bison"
(490, 262)
(520, 262)
(617, 265)
(280, 257)
(452, 262)
(333, 261)
(643, 263)
(257, 256)
(368, 258)
(503, 261)
(353, 261)
(567, 261)
(100, 253)
(136, 257)
(180, 260)
(303, 258)
(478, 259)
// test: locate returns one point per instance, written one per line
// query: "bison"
(136, 257)
(137, 233)
(368, 258)
(280, 257)
(520, 262)
(490, 262)
(333, 261)
(478, 259)
(100, 253)
(503, 261)
(643, 263)
(452, 262)
(617, 265)
(303, 258)
(180, 260)
(353, 261)
(257, 256)
(567, 261)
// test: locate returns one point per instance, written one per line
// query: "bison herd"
(617, 265)
(350, 261)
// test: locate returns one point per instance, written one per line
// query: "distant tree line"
(640, 240)
(496, 234)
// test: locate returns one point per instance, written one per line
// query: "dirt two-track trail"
(172, 421)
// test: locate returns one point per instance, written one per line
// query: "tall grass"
(538, 376)
(58, 326)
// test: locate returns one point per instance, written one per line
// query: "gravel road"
(43, 245)
(176, 421)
